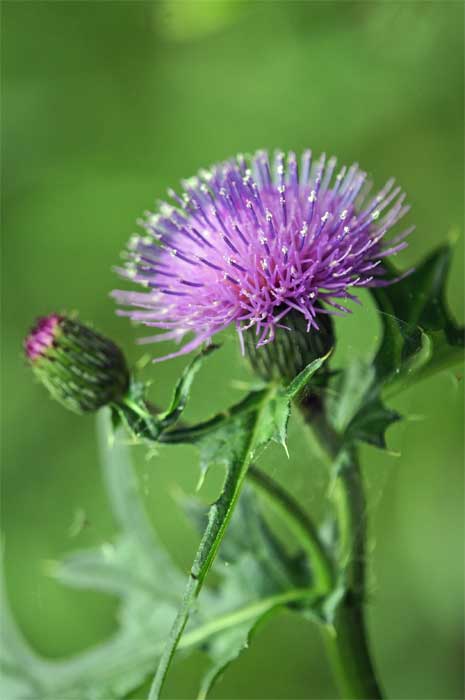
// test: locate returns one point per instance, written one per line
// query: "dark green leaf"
(419, 338)
(371, 423)
(355, 408)
(419, 334)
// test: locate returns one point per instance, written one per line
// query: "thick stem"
(347, 640)
(347, 646)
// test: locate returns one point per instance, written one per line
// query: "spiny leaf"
(233, 438)
(355, 408)
(417, 324)
(370, 424)
(420, 337)
(183, 387)
(257, 575)
(135, 568)
(260, 578)
(238, 435)
(143, 422)
(301, 381)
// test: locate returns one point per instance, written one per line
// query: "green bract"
(82, 369)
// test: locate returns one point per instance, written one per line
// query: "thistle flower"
(250, 242)
(81, 369)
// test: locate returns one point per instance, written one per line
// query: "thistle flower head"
(252, 240)
(81, 369)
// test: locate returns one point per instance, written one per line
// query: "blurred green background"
(105, 105)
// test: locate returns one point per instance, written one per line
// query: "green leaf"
(234, 442)
(370, 424)
(301, 381)
(183, 387)
(419, 338)
(141, 420)
(256, 576)
(134, 567)
(355, 408)
(260, 576)
(419, 334)
(234, 438)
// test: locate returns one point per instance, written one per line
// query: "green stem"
(347, 647)
(300, 524)
(347, 640)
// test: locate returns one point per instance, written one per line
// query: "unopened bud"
(81, 368)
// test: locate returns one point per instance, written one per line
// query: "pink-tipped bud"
(81, 368)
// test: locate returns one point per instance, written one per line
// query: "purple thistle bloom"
(250, 241)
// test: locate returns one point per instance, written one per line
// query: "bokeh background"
(105, 105)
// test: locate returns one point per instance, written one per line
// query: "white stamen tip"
(166, 209)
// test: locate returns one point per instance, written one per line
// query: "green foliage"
(158, 614)
(256, 578)
(420, 337)
(419, 334)
(233, 438)
(99, 111)
(136, 413)
(355, 408)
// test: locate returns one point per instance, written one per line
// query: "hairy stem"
(347, 640)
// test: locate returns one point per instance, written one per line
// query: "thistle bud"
(292, 349)
(81, 368)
